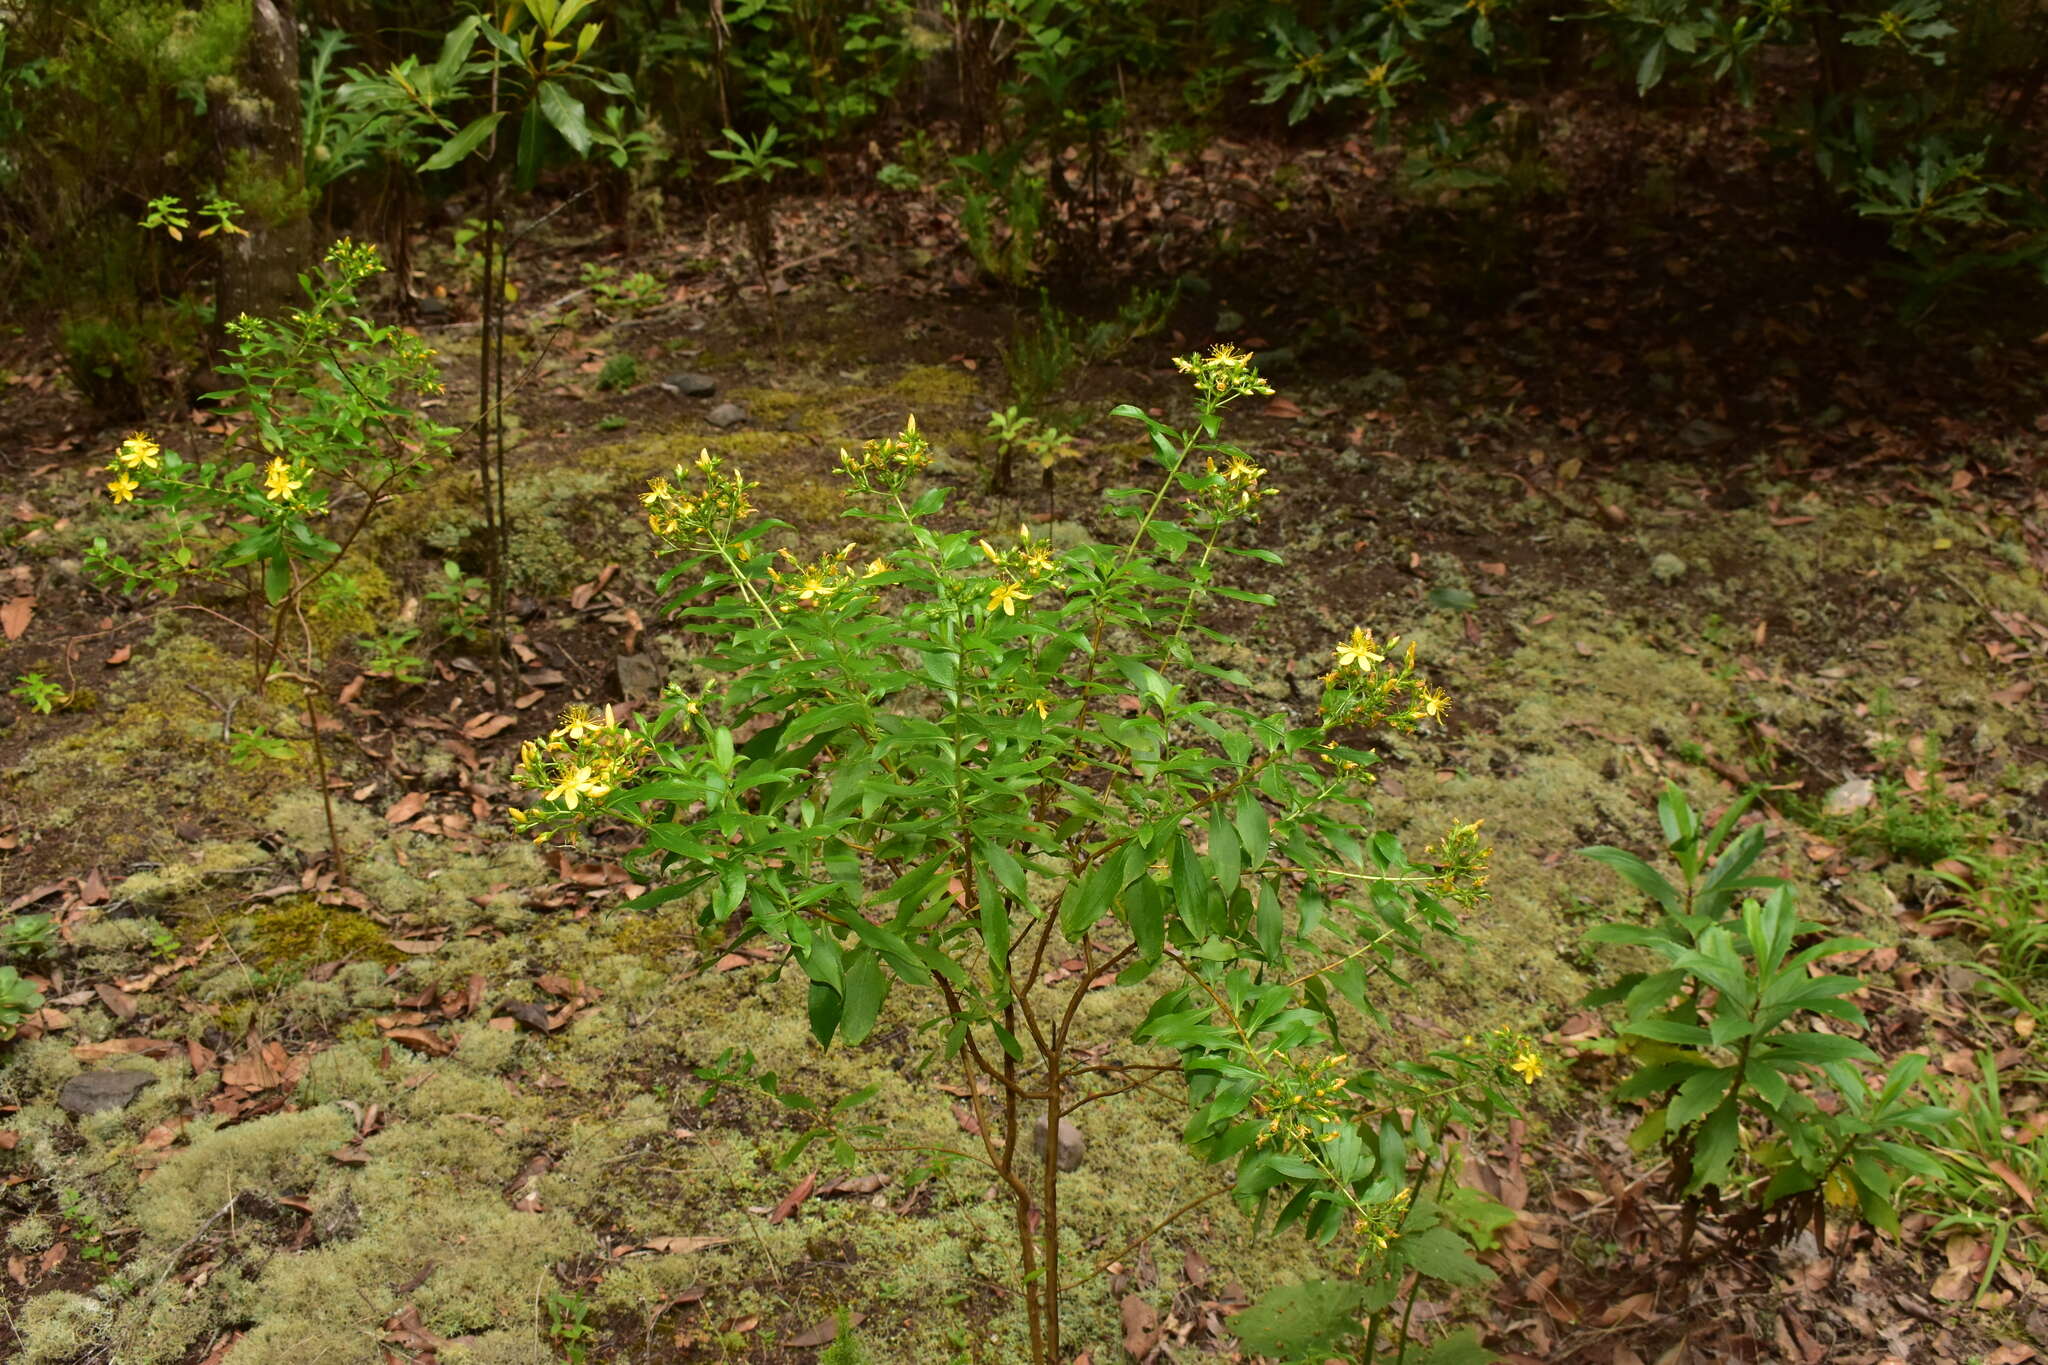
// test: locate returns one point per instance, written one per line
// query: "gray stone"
(433, 307)
(1850, 797)
(690, 385)
(1073, 1147)
(726, 415)
(97, 1092)
(1700, 434)
(1668, 568)
(639, 675)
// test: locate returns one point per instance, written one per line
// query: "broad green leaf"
(1459, 1348)
(866, 986)
(565, 112)
(824, 1009)
(1442, 1255)
(463, 143)
(1639, 874)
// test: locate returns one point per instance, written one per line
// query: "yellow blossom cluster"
(137, 452)
(1461, 859)
(1223, 374)
(1511, 1053)
(1380, 1224)
(281, 482)
(1298, 1102)
(583, 760)
(1372, 684)
(885, 466)
(703, 503)
(1233, 492)
(1027, 566)
(815, 583)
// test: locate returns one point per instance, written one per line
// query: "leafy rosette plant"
(1749, 1083)
(947, 761)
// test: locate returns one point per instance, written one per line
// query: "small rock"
(690, 385)
(1383, 385)
(639, 675)
(432, 307)
(1700, 434)
(726, 415)
(1850, 797)
(1072, 1148)
(1668, 568)
(97, 1092)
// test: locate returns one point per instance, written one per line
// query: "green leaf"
(1145, 913)
(1442, 1255)
(1254, 829)
(866, 987)
(526, 162)
(1639, 874)
(1451, 599)
(1312, 1318)
(1459, 1348)
(463, 143)
(277, 578)
(824, 1008)
(565, 112)
(1223, 850)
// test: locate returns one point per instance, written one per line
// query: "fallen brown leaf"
(824, 1333)
(421, 1040)
(405, 808)
(1142, 1331)
(679, 1246)
(792, 1201)
(15, 616)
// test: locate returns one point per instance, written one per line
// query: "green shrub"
(935, 771)
(1724, 1042)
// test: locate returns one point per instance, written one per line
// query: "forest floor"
(1673, 504)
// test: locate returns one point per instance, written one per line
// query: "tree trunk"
(258, 123)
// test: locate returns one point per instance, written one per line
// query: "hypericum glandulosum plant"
(944, 761)
(324, 435)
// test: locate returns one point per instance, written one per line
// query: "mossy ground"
(1586, 674)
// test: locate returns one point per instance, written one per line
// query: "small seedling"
(459, 600)
(567, 1325)
(391, 655)
(38, 693)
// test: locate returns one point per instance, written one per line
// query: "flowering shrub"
(324, 431)
(324, 436)
(947, 760)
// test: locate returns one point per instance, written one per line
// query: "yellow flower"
(876, 566)
(278, 483)
(1240, 470)
(1528, 1066)
(1039, 705)
(574, 786)
(123, 488)
(1360, 651)
(1006, 597)
(580, 721)
(139, 451)
(1435, 704)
